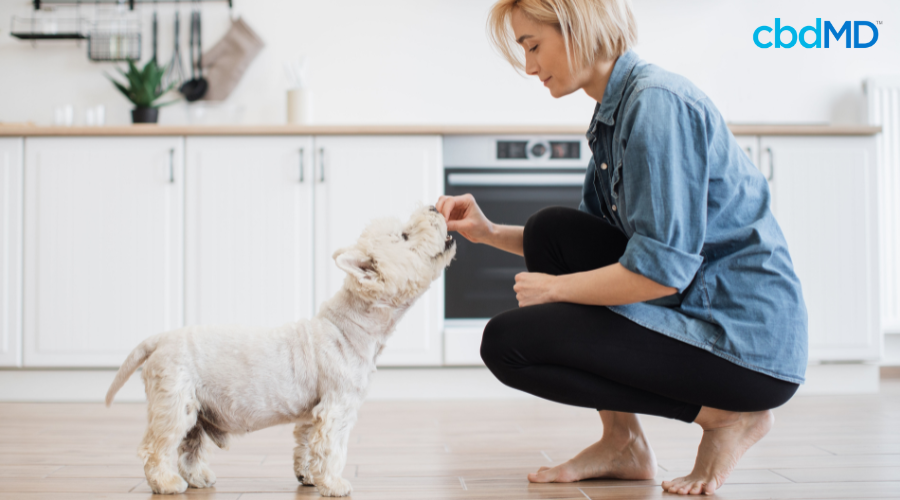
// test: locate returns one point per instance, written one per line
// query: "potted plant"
(144, 88)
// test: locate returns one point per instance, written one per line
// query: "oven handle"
(515, 179)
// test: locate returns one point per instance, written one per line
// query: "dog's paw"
(334, 487)
(201, 477)
(167, 484)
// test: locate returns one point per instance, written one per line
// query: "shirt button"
(603, 166)
(614, 208)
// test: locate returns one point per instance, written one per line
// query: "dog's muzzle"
(448, 242)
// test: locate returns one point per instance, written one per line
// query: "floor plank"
(822, 447)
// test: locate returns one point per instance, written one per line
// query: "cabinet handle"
(302, 159)
(321, 164)
(771, 165)
(172, 166)
(749, 152)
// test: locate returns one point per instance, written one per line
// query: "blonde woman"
(671, 291)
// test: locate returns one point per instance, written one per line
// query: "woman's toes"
(543, 475)
(697, 489)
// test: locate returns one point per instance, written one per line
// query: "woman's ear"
(356, 263)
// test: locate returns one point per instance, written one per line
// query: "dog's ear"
(356, 263)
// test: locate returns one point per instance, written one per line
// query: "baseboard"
(447, 383)
(89, 386)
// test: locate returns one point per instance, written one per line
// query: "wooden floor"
(821, 447)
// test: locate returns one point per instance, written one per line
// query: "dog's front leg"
(328, 446)
(301, 452)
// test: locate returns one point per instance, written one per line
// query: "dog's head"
(393, 263)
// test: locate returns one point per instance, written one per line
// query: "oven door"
(479, 282)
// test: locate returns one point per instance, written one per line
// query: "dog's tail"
(132, 362)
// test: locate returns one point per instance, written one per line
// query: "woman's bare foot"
(726, 436)
(622, 453)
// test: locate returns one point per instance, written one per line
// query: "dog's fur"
(206, 383)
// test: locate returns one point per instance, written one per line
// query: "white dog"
(205, 383)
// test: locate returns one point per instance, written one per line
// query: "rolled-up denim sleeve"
(665, 179)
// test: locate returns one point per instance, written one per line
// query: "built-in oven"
(511, 178)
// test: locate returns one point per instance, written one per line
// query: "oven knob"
(538, 150)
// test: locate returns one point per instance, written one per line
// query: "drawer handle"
(302, 159)
(321, 164)
(172, 166)
(771, 165)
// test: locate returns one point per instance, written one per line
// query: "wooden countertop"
(24, 130)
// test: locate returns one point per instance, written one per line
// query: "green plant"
(145, 85)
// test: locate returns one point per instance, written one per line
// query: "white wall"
(428, 61)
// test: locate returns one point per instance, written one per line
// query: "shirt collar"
(615, 87)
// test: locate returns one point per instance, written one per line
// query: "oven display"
(507, 150)
(565, 150)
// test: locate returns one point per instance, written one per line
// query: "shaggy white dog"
(204, 383)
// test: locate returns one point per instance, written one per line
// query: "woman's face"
(545, 55)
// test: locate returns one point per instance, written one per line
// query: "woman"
(671, 291)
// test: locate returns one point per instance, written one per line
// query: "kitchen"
(395, 99)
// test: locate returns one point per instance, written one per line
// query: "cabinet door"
(362, 178)
(249, 230)
(825, 200)
(11, 252)
(103, 240)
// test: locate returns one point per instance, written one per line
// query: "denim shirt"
(668, 173)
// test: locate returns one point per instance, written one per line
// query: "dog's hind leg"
(301, 451)
(328, 446)
(169, 417)
(192, 462)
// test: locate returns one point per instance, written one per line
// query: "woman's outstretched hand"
(465, 217)
(535, 288)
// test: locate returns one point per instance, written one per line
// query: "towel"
(226, 62)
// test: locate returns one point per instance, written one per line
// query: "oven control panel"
(520, 150)
(485, 151)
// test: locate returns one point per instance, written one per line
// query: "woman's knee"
(538, 238)
(497, 342)
(541, 225)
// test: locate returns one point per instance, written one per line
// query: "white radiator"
(883, 96)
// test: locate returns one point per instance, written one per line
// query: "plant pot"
(144, 115)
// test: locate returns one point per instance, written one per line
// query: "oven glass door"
(479, 282)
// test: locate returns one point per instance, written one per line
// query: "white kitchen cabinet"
(249, 230)
(825, 200)
(11, 174)
(103, 245)
(361, 178)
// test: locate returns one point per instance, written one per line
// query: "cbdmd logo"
(820, 33)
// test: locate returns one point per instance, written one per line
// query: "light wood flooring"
(820, 447)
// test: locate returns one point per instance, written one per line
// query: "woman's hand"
(535, 288)
(465, 217)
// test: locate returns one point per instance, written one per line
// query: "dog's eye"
(405, 236)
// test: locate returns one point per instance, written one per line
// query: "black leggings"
(592, 357)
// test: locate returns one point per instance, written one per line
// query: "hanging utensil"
(195, 88)
(174, 74)
(155, 31)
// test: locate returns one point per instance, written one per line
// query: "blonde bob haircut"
(591, 29)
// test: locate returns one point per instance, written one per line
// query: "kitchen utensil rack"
(115, 40)
(49, 28)
(129, 3)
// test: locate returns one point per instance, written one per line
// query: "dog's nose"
(432, 208)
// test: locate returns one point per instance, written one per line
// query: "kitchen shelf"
(49, 28)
